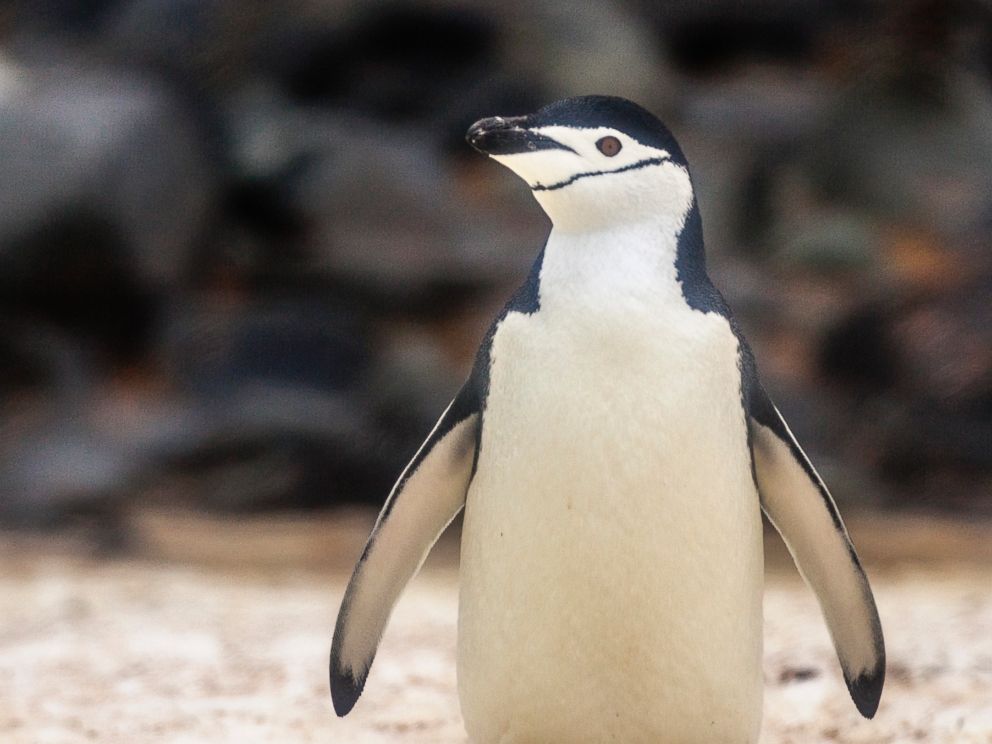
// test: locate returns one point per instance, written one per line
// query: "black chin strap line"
(572, 179)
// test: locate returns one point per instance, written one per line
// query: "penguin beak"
(500, 135)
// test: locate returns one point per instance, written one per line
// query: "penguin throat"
(631, 265)
(652, 192)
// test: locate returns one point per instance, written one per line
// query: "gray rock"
(579, 48)
(109, 147)
(406, 391)
(386, 212)
(205, 45)
(910, 157)
(212, 348)
(69, 19)
(87, 451)
(282, 389)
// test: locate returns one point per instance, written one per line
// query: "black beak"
(507, 136)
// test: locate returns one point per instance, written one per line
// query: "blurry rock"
(74, 273)
(717, 36)
(443, 65)
(105, 147)
(280, 386)
(395, 61)
(946, 343)
(740, 131)
(89, 451)
(52, 17)
(580, 48)
(212, 348)
(297, 410)
(922, 263)
(63, 468)
(173, 32)
(387, 211)
(59, 459)
(909, 154)
(827, 242)
(405, 394)
(917, 374)
(104, 191)
(271, 445)
(55, 462)
(859, 352)
(37, 358)
(933, 349)
(385, 216)
(204, 46)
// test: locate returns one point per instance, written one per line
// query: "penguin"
(612, 449)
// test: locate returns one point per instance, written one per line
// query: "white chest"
(617, 374)
(612, 540)
(620, 421)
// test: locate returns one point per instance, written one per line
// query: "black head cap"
(609, 111)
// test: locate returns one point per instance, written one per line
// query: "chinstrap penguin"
(613, 448)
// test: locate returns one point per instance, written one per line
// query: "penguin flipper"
(428, 495)
(801, 508)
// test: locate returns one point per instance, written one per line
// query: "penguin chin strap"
(572, 179)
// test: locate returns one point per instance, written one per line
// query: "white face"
(594, 184)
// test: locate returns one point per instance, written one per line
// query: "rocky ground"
(244, 245)
(220, 633)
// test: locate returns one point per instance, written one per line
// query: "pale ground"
(216, 633)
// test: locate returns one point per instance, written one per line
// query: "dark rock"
(75, 272)
(708, 43)
(396, 62)
(909, 158)
(437, 66)
(946, 343)
(859, 353)
(36, 358)
(56, 474)
(577, 48)
(72, 18)
(103, 193)
(281, 388)
(380, 213)
(105, 144)
(54, 464)
(296, 409)
(212, 349)
(387, 211)
(270, 445)
(405, 394)
(204, 46)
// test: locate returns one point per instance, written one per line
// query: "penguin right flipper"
(801, 508)
(428, 495)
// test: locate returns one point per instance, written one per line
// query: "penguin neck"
(658, 260)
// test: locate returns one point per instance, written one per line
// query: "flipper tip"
(345, 688)
(866, 690)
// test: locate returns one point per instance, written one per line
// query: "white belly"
(611, 554)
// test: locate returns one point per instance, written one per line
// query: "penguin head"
(592, 162)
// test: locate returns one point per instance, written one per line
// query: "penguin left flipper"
(801, 508)
(428, 495)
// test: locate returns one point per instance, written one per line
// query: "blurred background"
(246, 256)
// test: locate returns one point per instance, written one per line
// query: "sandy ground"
(219, 634)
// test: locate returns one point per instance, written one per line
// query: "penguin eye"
(609, 146)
